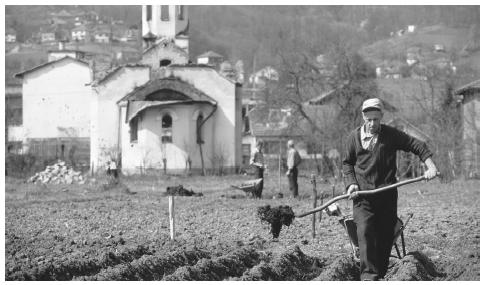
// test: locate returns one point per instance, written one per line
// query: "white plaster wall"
(106, 113)
(56, 101)
(227, 119)
(148, 151)
(159, 53)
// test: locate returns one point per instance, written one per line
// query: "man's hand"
(288, 173)
(352, 191)
(432, 171)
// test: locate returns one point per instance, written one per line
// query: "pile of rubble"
(58, 173)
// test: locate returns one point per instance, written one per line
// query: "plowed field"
(89, 232)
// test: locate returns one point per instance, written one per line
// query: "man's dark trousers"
(293, 181)
(259, 174)
(375, 217)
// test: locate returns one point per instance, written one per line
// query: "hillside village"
(144, 105)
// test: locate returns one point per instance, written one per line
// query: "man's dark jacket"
(371, 169)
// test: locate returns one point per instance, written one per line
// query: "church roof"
(113, 71)
(164, 91)
(165, 43)
(472, 87)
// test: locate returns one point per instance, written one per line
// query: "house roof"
(80, 28)
(23, 73)
(470, 88)
(327, 97)
(206, 67)
(10, 31)
(409, 129)
(209, 54)
(66, 50)
(185, 31)
(164, 91)
(267, 122)
(113, 71)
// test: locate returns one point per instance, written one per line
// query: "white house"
(10, 35)
(79, 33)
(210, 58)
(56, 107)
(102, 36)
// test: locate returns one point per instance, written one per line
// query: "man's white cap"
(373, 103)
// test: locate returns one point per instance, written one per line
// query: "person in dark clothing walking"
(257, 160)
(293, 161)
(369, 162)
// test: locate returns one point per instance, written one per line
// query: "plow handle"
(363, 193)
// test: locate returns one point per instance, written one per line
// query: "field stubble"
(85, 232)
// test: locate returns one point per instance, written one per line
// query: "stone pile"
(58, 173)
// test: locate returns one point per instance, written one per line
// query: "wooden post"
(171, 213)
(321, 203)
(279, 167)
(314, 217)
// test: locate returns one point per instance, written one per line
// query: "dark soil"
(219, 268)
(291, 265)
(181, 191)
(148, 267)
(276, 217)
(415, 266)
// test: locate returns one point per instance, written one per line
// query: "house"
(102, 34)
(56, 100)
(210, 58)
(439, 48)
(80, 33)
(267, 73)
(47, 34)
(10, 35)
(469, 98)
(273, 127)
(62, 52)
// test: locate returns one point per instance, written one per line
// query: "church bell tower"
(165, 22)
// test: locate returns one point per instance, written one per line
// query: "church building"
(163, 112)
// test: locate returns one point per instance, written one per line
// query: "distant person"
(257, 160)
(369, 162)
(293, 160)
(112, 170)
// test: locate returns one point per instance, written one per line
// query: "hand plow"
(279, 217)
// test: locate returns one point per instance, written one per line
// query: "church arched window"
(199, 137)
(149, 12)
(164, 14)
(181, 12)
(166, 129)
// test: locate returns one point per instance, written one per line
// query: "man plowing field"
(370, 162)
